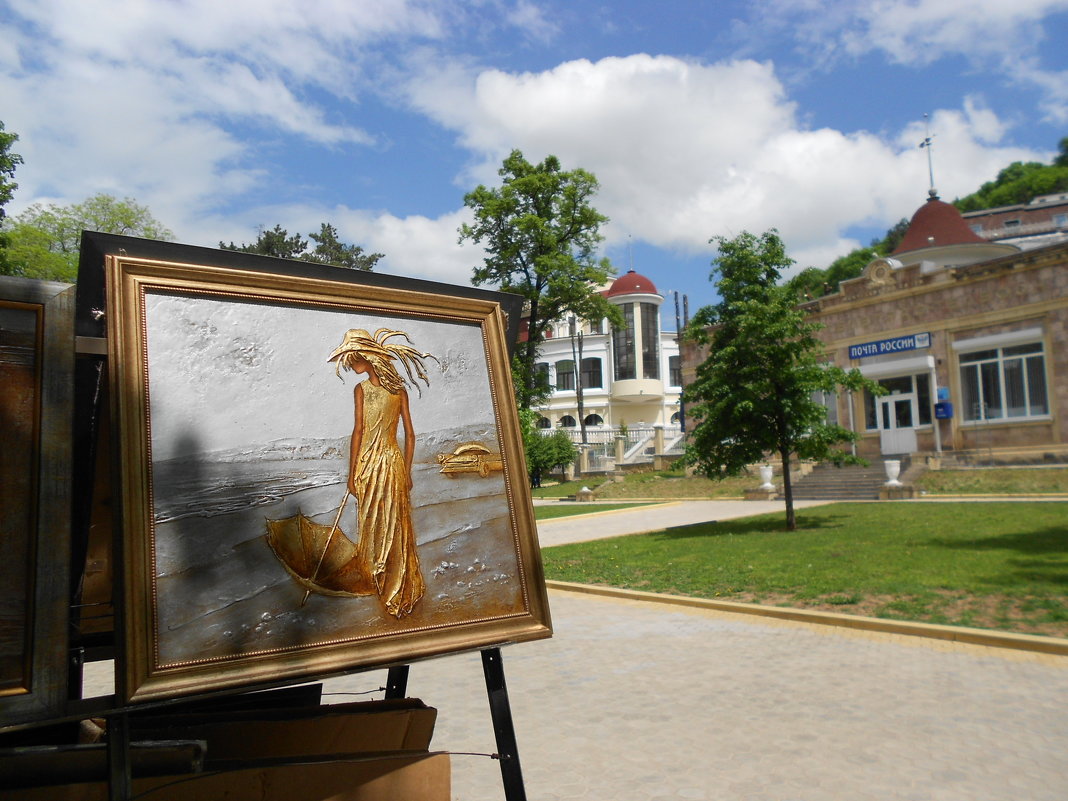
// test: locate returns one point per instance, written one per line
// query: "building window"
(594, 420)
(977, 228)
(1002, 383)
(1060, 220)
(675, 371)
(591, 373)
(623, 346)
(1011, 223)
(565, 375)
(650, 340)
(567, 421)
(544, 422)
(829, 401)
(915, 388)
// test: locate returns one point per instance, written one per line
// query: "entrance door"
(896, 431)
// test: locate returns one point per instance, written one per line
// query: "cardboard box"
(371, 726)
(400, 777)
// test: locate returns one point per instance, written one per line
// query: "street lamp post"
(576, 360)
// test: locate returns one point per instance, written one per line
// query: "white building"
(630, 378)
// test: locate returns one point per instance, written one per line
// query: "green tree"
(540, 233)
(8, 162)
(753, 395)
(1020, 182)
(45, 239)
(328, 248)
(542, 452)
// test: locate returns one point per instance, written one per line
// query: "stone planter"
(766, 473)
(893, 470)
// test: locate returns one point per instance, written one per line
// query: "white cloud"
(999, 34)
(415, 246)
(684, 151)
(150, 97)
(175, 103)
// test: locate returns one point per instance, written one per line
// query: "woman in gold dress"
(380, 472)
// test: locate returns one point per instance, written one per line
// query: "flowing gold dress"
(386, 554)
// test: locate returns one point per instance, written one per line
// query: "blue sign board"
(895, 345)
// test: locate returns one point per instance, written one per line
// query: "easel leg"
(119, 783)
(397, 682)
(501, 713)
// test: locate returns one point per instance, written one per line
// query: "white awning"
(909, 366)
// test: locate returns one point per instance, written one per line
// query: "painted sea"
(221, 592)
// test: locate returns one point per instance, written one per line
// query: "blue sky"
(699, 118)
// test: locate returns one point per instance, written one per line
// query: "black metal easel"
(500, 713)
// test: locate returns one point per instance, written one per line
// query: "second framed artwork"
(316, 476)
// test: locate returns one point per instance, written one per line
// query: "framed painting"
(36, 369)
(316, 476)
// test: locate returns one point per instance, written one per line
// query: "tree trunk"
(788, 490)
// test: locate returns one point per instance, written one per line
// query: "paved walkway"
(636, 701)
(581, 528)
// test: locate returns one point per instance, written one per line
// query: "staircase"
(847, 483)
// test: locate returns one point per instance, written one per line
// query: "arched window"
(675, 418)
(594, 420)
(565, 375)
(567, 421)
(544, 422)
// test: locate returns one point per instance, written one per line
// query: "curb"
(991, 639)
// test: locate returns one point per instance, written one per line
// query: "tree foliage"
(8, 162)
(540, 233)
(1020, 182)
(328, 248)
(44, 240)
(753, 395)
(542, 452)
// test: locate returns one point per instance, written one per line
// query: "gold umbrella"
(320, 557)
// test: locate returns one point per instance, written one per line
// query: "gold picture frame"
(36, 377)
(257, 544)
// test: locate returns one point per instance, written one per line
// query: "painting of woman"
(380, 470)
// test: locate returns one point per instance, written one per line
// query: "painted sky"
(698, 118)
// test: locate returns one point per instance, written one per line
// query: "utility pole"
(576, 358)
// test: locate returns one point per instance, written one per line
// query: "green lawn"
(996, 481)
(990, 565)
(569, 509)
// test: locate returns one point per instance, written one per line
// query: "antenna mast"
(926, 143)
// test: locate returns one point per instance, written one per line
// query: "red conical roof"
(936, 224)
(631, 283)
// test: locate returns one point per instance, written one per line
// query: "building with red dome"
(969, 338)
(630, 377)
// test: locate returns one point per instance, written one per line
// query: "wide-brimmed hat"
(356, 339)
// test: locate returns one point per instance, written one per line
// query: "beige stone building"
(968, 337)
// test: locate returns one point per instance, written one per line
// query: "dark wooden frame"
(45, 692)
